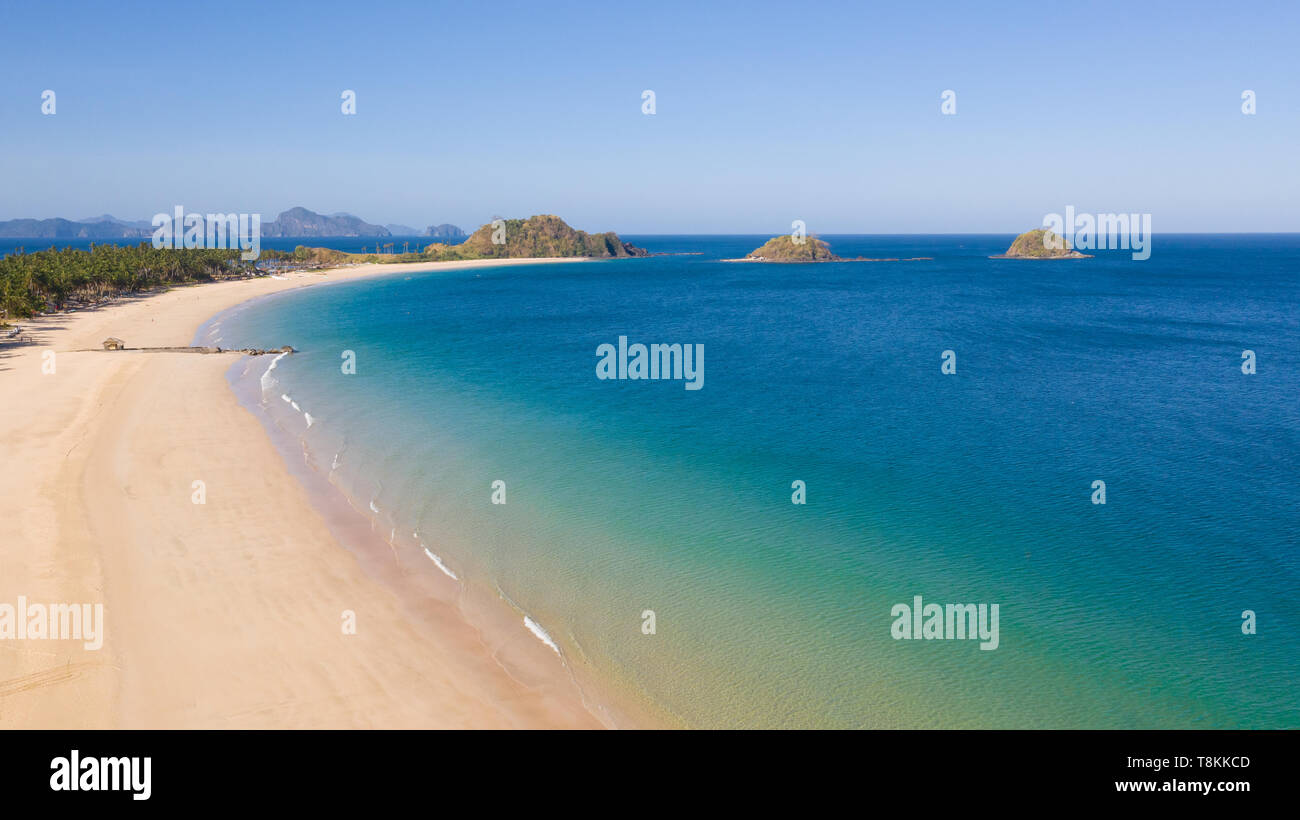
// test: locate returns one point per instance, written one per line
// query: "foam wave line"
(438, 562)
(541, 634)
(267, 380)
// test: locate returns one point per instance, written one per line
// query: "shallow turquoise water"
(625, 496)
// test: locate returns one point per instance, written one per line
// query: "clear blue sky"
(827, 112)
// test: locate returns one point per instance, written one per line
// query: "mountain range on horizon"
(297, 221)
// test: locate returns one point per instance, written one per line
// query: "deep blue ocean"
(629, 496)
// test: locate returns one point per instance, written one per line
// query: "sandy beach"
(225, 614)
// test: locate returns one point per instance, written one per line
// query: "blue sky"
(826, 112)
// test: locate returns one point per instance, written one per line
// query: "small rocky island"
(786, 249)
(1041, 244)
(811, 249)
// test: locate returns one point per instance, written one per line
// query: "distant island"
(785, 249)
(302, 222)
(294, 222)
(445, 232)
(1041, 244)
(105, 227)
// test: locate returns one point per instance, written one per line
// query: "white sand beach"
(224, 614)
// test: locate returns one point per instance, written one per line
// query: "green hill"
(535, 237)
(1041, 244)
(785, 249)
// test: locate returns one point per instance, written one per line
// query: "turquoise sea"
(624, 496)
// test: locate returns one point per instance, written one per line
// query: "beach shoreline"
(242, 611)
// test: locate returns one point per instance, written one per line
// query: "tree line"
(54, 279)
